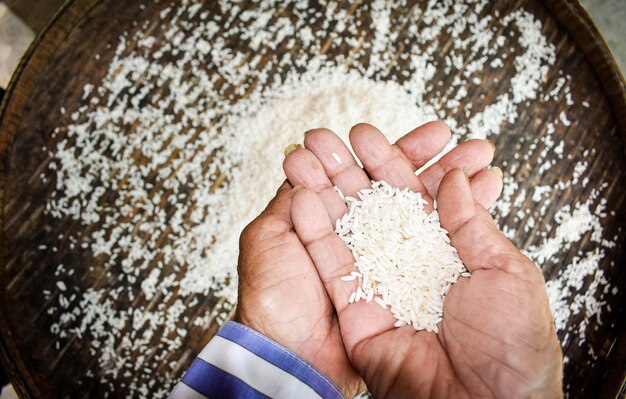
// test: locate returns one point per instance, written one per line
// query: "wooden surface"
(54, 74)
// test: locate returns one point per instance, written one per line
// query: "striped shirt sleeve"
(239, 362)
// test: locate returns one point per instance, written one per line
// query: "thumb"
(479, 242)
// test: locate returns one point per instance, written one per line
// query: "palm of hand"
(490, 344)
(496, 332)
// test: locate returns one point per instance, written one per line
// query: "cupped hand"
(497, 338)
(282, 296)
(280, 290)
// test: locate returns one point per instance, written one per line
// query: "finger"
(333, 260)
(474, 155)
(486, 186)
(424, 142)
(472, 230)
(341, 168)
(381, 160)
(302, 168)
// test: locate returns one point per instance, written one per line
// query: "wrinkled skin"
(497, 338)
(282, 296)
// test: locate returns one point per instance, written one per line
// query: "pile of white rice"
(404, 258)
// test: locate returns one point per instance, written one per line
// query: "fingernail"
(466, 173)
(308, 131)
(291, 148)
(493, 145)
(296, 189)
(497, 170)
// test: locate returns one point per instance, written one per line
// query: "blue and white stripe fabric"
(239, 362)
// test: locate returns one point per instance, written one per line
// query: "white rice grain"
(336, 158)
(402, 254)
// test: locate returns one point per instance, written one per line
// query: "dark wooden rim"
(26, 76)
(570, 14)
(585, 33)
(577, 22)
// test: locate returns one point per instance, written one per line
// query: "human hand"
(282, 296)
(280, 291)
(497, 336)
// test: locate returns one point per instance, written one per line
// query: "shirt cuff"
(239, 362)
